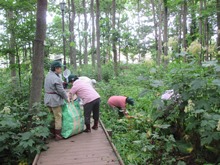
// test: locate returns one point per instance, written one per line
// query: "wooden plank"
(84, 149)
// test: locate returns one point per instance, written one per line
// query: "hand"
(65, 84)
(129, 117)
(125, 113)
(68, 99)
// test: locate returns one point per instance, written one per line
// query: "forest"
(135, 48)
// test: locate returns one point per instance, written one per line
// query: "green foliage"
(23, 130)
(183, 132)
(19, 141)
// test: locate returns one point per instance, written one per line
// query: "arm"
(60, 90)
(73, 92)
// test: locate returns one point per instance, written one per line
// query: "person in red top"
(120, 103)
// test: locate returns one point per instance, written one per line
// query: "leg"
(95, 110)
(52, 123)
(120, 113)
(87, 115)
(57, 111)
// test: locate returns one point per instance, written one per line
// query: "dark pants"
(91, 107)
(120, 112)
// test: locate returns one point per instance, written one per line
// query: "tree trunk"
(193, 26)
(38, 57)
(85, 34)
(165, 32)
(138, 30)
(114, 39)
(200, 22)
(156, 32)
(108, 54)
(93, 33)
(218, 29)
(72, 17)
(160, 33)
(12, 44)
(80, 42)
(184, 24)
(179, 31)
(119, 45)
(218, 25)
(98, 41)
(206, 32)
(201, 30)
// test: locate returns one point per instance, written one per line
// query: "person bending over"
(120, 102)
(91, 100)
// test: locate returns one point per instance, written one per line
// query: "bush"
(23, 130)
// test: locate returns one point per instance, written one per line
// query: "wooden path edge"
(109, 140)
(112, 145)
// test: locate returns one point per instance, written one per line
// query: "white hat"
(93, 81)
(58, 57)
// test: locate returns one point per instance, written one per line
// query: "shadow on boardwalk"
(85, 149)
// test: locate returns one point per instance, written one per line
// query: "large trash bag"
(72, 119)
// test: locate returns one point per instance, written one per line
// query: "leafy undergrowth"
(22, 131)
(181, 132)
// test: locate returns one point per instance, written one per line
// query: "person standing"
(55, 95)
(120, 103)
(90, 98)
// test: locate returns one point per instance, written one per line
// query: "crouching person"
(90, 99)
(55, 95)
(120, 103)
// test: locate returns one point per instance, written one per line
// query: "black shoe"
(87, 130)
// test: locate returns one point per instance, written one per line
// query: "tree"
(85, 34)
(218, 24)
(114, 38)
(98, 40)
(155, 32)
(93, 32)
(72, 35)
(201, 29)
(206, 36)
(38, 57)
(165, 31)
(12, 43)
(160, 32)
(184, 24)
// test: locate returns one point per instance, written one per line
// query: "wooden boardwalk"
(93, 148)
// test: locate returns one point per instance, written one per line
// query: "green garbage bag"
(72, 119)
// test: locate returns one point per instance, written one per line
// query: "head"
(72, 78)
(93, 82)
(130, 101)
(58, 58)
(56, 67)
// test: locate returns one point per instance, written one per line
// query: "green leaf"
(197, 84)
(182, 54)
(216, 82)
(209, 63)
(217, 68)
(4, 136)
(206, 140)
(26, 135)
(199, 111)
(150, 147)
(137, 141)
(10, 122)
(30, 142)
(153, 70)
(181, 163)
(157, 83)
(164, 126)
(72, 44)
